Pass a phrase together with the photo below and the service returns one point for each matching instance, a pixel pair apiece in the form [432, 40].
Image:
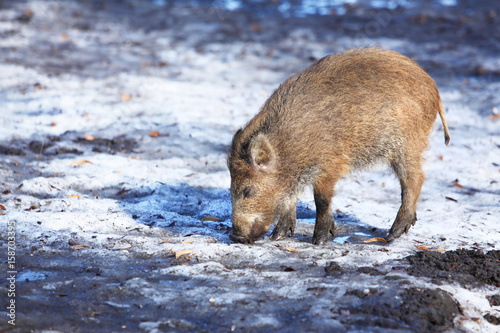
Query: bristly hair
[237, 149]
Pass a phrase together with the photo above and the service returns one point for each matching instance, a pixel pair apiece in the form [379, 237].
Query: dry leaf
[64, 37]
[375, 239]
[122, 191]
[32, 207]
[26, 16]
[210, 218]
[495, 117]
[7, 192]
[187, 242]
[451, 199]
[421, 247]
[289, 249]
[154, 134]
[126, 97]
[255, 27]
[440, 250]
[79, 247]
[89, 137]
[74, 196]
[81, 162]
[53, 124]
[2, 207]
[179, 254]
[38, 86]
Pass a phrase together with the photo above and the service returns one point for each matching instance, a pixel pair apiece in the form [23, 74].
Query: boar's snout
[239, 239]
[257, 230]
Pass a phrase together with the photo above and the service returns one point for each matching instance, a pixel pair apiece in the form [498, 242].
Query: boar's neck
[297, 164]
[297, 159]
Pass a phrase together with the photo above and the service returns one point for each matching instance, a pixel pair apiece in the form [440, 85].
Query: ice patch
[31, 276]
[341, 240]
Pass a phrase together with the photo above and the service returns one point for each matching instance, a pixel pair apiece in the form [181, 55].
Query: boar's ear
[262, 153]
[234, 150]
[236, 137]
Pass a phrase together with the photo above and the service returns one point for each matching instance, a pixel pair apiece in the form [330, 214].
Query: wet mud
[466, 267]
[413, 309]
[65, 144]
[111, 294]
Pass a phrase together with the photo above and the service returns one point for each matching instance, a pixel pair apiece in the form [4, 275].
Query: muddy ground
[133, 276]
[97, 296]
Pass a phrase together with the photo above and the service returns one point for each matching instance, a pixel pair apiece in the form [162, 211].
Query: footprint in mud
[119, 144]
[11, 151]
[65, 144]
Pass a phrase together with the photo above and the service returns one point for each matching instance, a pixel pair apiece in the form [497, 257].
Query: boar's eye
[249, 191]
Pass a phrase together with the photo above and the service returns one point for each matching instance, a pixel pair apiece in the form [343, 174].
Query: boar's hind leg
[411, 178]
[286, 223]
[325, 225]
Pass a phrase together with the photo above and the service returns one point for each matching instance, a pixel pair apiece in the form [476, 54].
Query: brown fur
[344, 112]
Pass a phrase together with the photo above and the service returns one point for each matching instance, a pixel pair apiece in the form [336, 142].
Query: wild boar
[344, 112]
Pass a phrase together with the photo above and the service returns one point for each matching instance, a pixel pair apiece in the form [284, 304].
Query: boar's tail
[445, 125]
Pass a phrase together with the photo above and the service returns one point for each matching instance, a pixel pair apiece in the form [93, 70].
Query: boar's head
[255, 186]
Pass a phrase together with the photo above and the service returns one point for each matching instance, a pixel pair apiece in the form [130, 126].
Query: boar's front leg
[286, 222]
[325, 225]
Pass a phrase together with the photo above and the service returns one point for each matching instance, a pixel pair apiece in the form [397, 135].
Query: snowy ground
[115, 121]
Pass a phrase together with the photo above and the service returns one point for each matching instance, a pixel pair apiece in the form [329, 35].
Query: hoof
[239, 239]
[320, 240]
[393, 234]
[278, 234]
[281, 231]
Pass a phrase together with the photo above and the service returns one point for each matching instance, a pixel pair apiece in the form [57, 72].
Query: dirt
[107, 294]
[65, 144]
[467, 267]
[120, 144]
[97, 292]
[415, 309]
